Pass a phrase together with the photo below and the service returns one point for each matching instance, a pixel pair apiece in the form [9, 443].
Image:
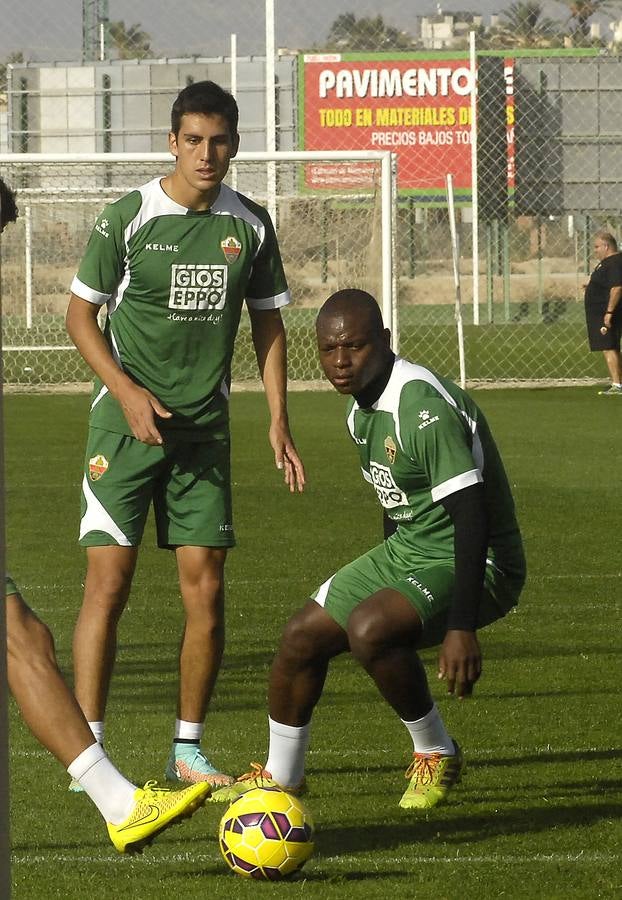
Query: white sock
[429, 734]
[286, 755]
[188, 731]
[112, 794]
[98, 731]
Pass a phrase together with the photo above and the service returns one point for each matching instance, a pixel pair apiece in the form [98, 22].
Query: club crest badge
[390, 448]
[231, 248]
[98, 466]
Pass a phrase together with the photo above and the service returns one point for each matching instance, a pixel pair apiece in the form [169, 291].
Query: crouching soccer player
[134, 815]
[452, 559]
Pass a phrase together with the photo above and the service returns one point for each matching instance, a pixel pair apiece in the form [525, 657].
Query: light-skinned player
[173, 261]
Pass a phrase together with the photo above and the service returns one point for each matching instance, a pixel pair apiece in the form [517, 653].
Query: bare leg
[614, 365]
[384, 631]
[52, 713]
[107, 587]
[308, 643]
[201, 579]
[47, 705]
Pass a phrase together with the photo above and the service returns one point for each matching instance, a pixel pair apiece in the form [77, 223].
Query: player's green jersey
[423, 440]
[174, 281]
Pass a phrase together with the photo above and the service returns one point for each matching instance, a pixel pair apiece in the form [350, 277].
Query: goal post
[455, 257]
[5, 858]
[334, 214]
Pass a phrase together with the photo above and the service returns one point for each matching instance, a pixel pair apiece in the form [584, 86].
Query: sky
[52, 29]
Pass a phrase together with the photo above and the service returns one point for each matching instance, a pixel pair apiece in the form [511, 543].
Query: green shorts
[428, 587]
[11, 587]
[188, 483]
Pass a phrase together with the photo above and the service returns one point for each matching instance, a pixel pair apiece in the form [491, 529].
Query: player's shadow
[458, 830]
[145, 677]
[537, 650]
[550, 756]
[346, 770]
[595, 691]
[307, 874]
[582, 757]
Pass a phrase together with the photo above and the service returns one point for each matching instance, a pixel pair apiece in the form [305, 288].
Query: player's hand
[460, 662]
[140, 408]
[286, 458]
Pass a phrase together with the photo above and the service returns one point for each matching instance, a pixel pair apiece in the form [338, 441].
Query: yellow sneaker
[258, 777]
[432, 776]
[155, 809]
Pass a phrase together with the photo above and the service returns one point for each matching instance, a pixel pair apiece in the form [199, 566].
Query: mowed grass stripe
[539, 813]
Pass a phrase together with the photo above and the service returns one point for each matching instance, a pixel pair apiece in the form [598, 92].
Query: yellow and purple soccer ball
[266, 834]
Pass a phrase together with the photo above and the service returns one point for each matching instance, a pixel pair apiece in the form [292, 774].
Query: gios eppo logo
[389, 494]
[198, 287]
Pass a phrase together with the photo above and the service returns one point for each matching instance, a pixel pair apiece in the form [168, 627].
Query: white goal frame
[388, 281]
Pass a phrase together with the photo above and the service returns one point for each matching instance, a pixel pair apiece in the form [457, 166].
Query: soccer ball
[266, 833]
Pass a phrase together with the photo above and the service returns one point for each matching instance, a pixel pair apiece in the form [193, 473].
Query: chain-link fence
[533, 157]
[327, 242]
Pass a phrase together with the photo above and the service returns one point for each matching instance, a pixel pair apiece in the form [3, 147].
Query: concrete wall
[125, 106]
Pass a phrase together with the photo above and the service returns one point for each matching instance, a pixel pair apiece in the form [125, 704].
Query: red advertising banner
[420, 108]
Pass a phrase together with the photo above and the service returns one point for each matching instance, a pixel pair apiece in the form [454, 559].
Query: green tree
[347, 33]
[523, 24]
[581, 11]
[130, 42]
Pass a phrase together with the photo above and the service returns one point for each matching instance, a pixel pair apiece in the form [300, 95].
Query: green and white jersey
[174, 281]
[423, 440]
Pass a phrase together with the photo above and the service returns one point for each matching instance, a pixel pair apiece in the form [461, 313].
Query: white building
[445, 31]
[124, 105]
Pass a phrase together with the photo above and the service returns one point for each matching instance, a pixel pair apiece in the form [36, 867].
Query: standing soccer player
[451, 562]
[174, 261]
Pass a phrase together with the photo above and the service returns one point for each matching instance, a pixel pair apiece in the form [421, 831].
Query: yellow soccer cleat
[258, 777]
[432, 776]
[155, 809]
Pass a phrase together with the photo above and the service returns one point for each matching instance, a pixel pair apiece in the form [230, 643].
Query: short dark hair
[607, 238]
[353, 301]
[208, 99]
[8, 206]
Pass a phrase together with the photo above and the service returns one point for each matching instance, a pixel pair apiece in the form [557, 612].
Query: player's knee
[204, 605]
[43, 642]
[108, 590]
[203, 598]
[367, 633]
[30, 641]
[300, 643]
[204, 623]
[294, 640]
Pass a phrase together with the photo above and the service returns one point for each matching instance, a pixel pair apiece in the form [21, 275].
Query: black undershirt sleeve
[467, 511]
[389, 527]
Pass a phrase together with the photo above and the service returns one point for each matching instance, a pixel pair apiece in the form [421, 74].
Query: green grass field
[539, 812]
[513, 347]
